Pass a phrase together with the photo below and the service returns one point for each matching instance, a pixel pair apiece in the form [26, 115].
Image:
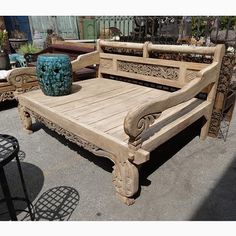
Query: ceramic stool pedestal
[54, 73]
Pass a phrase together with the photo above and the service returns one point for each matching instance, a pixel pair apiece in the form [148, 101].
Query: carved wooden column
[221, 95]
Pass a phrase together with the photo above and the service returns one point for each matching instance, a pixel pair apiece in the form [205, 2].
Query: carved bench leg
[125, 180]
[25, 119]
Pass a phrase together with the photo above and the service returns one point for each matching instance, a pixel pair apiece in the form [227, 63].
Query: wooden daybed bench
[124, 121]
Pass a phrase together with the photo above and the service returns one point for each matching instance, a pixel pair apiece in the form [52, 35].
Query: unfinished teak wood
[125, 121]
[223, 91]
[18, 80]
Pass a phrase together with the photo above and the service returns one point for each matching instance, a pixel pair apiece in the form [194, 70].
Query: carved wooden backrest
[160, 71]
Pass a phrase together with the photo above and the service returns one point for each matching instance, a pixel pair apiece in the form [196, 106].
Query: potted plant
[28, 48]
[24, 50]
[28, 51]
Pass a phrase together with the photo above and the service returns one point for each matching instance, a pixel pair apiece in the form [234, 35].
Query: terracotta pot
[4, 61]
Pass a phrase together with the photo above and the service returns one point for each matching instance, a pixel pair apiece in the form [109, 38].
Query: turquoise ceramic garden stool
[54, 73]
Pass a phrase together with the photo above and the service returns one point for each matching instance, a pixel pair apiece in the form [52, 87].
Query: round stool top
[52, 56]
[9, 147]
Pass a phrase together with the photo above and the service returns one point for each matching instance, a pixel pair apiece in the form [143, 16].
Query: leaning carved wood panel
[164, 72]
[221, 95]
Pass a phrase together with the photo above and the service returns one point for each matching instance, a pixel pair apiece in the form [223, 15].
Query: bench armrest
[142, 117]
[85, 60]
[19, 77]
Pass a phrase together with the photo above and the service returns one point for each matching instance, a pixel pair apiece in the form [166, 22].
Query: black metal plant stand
[9, 148]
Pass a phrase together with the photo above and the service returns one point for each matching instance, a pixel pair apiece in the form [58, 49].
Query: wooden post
[145, 50]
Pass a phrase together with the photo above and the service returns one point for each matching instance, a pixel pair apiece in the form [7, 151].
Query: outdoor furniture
[9, 148]
[135, 105]
[17, 80]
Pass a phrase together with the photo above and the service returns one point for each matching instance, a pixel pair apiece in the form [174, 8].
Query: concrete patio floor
[186, 179]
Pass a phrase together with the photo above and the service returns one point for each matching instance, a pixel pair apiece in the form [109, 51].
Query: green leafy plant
[28, 48]
[227, 22]
[201, 24]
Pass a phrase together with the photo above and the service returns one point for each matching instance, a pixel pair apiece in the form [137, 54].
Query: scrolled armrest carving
[141, 124]
[20, 76]
[134, 128]
[142, 117]
[23, 79]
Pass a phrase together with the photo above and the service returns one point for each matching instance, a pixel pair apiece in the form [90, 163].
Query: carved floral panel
[163, 72]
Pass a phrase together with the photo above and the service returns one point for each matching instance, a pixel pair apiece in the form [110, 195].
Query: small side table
[9, 148]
